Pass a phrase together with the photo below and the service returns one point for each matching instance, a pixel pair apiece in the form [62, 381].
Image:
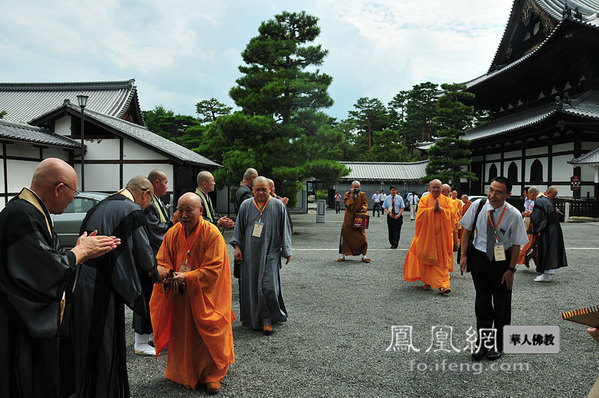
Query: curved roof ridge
[61, 86]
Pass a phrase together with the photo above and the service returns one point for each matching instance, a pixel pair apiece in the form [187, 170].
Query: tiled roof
[26, 101]
[591, 157]
[385, 171]
[555, 8]
[140, 134]
[25, 133]
[541, 47]
[585, 106]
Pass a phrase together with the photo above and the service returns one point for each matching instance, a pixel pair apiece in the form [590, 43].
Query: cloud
[183, 51]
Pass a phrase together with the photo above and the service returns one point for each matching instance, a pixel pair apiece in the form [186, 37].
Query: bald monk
[34, 276]
[192, 313]
[431, 254]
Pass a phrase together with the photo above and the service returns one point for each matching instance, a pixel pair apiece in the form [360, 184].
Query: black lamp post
[82, 101]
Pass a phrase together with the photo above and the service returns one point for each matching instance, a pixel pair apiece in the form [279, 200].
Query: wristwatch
[512, 269]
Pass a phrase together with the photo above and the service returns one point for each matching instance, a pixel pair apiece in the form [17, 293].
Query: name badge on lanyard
[259, 225]
[498, 250]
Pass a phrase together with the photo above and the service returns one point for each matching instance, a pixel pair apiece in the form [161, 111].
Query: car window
[80, 205]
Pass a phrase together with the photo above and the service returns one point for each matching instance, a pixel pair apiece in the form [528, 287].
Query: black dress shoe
[493, 355]
[480, 354]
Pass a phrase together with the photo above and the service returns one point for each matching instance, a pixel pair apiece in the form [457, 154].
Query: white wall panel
[529, 162]
[562, 171]
[537, 151]
[568, 146]
[135, 151]
[103, 149]
[512, 154]
[62, 126]
[100, 177]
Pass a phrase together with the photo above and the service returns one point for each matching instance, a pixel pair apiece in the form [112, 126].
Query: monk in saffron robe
[431, 254]
[353, 240]
[192, 313]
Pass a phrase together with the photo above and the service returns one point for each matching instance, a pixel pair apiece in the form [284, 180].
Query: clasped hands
[172, 281]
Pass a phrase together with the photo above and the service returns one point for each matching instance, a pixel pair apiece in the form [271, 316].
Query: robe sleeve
[156, 229]
[285, 234]
[538, 216]
[239, 230]
[161, 306]
[33, 271]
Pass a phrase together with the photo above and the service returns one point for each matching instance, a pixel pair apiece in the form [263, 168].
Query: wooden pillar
[121, 158]
[523, 170]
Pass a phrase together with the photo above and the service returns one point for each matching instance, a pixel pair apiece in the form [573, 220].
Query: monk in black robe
[550, 241]
[34, 274]
[97, 324]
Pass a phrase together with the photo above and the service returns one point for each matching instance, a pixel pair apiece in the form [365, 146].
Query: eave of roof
[491, 75]
[589, 158]
[385, 171]
[585, 106]
[134, 131]
[25, 101]
[18, 132]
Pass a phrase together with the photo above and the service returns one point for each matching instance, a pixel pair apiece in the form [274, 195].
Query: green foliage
[275, 80]
[210, 110]
[370, 115]
[322, 194]
[450, 154]
[2, 114]
[419, 105]
[182, 129]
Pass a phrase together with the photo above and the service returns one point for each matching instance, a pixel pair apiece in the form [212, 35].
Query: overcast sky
[182, 51]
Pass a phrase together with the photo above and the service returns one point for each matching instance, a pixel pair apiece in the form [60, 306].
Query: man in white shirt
[499, 234]
[376, 203]
[413, 200]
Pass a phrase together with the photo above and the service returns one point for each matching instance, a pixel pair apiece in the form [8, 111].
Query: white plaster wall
[19, 174]
[512, 154]
[477, 158]
[536, 151]
[103, 149]
[568, 146]
[100, 177]
[562, 171]
[587, 173]
[528, 163]
[56, 153]
[588, 146]
[134, 151]
[23, 150]
[133, 170]
[493, 156]
[62, 126]
[563, 191]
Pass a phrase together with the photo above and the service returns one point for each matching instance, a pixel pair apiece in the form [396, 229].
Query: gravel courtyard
[341, 315]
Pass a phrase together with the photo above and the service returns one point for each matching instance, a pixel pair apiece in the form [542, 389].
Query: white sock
[342, 256]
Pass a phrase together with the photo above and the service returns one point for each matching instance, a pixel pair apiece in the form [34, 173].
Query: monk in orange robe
[430, 257]
[353, 241]
[192, 313]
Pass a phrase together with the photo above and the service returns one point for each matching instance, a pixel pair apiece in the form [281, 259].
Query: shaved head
[55, 182]
[189, 208]
[142, 190]
[434, 187]
[446, 190]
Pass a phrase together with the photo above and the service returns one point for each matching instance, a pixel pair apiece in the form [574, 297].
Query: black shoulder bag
[470, 250]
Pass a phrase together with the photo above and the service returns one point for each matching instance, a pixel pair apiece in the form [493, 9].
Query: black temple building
[542, 93]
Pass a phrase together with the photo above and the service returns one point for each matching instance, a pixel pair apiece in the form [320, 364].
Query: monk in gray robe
[551, 249]
[261, 237]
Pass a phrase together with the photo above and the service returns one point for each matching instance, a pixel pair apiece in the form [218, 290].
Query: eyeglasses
[68, 186]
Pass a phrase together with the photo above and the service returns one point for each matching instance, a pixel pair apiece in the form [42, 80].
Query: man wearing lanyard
[191, 313]
[206, 185]
[159, 222]
[499, 235]
[394, 206]
[261, 237]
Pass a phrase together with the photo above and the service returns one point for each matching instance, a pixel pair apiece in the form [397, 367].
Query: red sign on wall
[575, 183]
